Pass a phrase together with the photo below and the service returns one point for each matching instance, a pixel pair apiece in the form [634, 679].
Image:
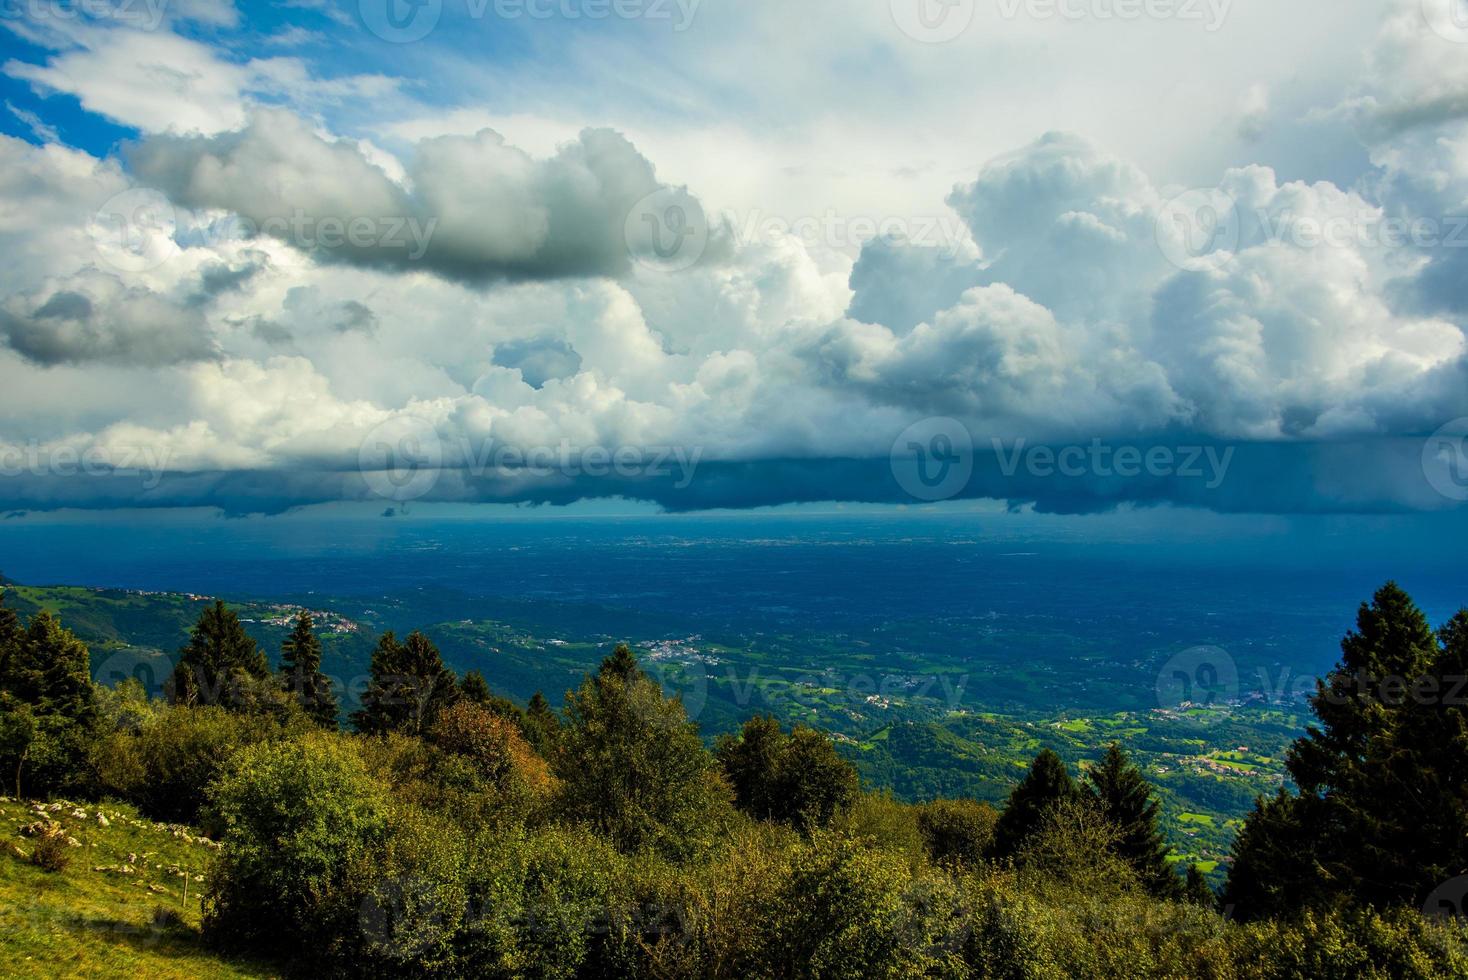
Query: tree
[633, 766]
[1125, 798]
[1382, 812]
[220, 665]
[1197, 891]
[1047, 785]
[409, 687]
[47, 705]
[300, 673]
[796, 779]
[542, 725]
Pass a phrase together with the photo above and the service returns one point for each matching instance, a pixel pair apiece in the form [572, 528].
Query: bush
[51, 852]
[956, 831]
[302, 822]
[165, 766]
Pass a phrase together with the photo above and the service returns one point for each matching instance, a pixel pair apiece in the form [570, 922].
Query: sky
[1065, 255]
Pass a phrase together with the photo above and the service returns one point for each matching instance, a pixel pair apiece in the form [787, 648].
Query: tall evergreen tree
[300, 673]
[1045, 786]
[1380, 817]
[633, 766]
[542, 725]
[409, 687]
[220, 664]
[1197, 891]
[1125, 798]
[47, 703]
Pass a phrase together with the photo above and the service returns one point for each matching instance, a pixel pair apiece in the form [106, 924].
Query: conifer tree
[542, 725]
[409, 687]
[47, 704]
[300, 673]
[1197, 891]
[1125, 798]
[1045, 786]
[220, 664]
[1380, 816]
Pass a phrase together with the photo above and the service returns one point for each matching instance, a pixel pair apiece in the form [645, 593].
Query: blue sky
[717, 254]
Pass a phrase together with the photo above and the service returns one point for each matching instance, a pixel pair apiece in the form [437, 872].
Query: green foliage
[301, 822]
[1382, 815]
[1196, 889]
[1046, 785]
[957, 831]
[46, 705]
[542, 725]
[221, 665]
[300, 673]
[1123, 796]
[795, 779]
[409, 687]
[162, 758]
[633, 767]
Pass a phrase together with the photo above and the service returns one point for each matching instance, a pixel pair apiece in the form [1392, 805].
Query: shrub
[956, 831]
[51, 851]
[302, 820]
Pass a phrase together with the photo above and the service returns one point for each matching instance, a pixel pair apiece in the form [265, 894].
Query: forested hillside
[234, 826]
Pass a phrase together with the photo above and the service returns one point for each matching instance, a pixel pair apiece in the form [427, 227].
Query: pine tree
[300, 673]
[1125, 798]
[1380, 817]
[220, 664]
[47, 703]
[542, 725]
[409, 687]
[475, 688]
[1197, 891]
[1046, 785]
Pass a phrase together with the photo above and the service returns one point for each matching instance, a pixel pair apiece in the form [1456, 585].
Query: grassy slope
[87, 923]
